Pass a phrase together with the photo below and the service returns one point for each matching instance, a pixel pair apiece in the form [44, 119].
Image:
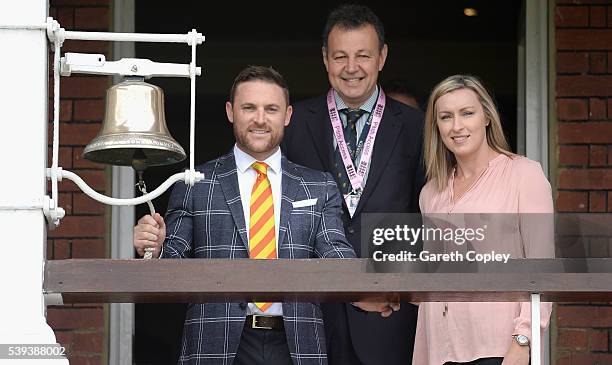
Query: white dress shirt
[246, 179]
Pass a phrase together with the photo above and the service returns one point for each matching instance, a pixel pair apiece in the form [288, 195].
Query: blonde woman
[470, 169]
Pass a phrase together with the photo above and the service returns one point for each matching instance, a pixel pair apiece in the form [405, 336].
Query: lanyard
[356, 175]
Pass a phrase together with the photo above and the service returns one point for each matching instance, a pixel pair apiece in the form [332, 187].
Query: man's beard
[243, 141]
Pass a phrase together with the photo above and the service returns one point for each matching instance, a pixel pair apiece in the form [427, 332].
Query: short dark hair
[353, 16]
[261, 73]
[401, 86]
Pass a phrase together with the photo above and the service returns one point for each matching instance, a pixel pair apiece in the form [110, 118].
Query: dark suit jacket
[207, 221]
[393, 185]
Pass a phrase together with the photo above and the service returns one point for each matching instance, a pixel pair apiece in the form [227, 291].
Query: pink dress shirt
[465, 331]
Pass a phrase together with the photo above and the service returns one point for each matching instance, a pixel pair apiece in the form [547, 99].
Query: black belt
[265, 323]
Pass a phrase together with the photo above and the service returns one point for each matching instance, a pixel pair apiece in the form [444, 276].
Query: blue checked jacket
[206, 221]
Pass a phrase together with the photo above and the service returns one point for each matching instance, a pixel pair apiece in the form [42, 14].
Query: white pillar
[23, 152]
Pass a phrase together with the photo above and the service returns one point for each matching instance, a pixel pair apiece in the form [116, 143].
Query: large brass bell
[134, 132]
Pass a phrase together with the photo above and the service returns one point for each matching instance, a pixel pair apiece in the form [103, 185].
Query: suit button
[351, 230]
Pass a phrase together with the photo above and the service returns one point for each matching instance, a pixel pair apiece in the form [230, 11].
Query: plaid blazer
[207, 221]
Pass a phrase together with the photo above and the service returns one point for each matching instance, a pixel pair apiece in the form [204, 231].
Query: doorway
[427, 42]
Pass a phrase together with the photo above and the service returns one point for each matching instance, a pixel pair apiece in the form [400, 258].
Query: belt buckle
[254, 325]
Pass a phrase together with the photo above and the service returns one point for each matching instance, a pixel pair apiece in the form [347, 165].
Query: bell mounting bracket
[96, 64]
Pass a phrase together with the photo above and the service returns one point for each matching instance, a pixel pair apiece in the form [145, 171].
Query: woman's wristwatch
[522, 340]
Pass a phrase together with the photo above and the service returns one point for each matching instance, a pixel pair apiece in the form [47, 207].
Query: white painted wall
[23, 151]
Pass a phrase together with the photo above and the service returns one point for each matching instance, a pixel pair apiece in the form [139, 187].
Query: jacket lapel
[290, 183]
[228, 178]
[320, 130]
[388, 131]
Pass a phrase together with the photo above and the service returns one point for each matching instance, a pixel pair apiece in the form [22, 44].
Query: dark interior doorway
[428, 40]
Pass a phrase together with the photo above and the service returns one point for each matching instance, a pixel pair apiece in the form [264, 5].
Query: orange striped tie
[262, 234]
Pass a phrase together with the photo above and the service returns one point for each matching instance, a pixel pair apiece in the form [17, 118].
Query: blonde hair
[439, 160]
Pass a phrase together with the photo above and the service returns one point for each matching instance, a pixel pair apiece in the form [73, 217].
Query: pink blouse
[465, 331]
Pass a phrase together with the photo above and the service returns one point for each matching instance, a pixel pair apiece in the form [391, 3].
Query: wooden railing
[193, 280]
[320, 280]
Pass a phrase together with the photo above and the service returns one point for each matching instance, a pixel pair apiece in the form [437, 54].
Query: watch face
[522, 340]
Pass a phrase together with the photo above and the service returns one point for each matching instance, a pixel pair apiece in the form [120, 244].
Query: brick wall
[83, 232]
[584, 113]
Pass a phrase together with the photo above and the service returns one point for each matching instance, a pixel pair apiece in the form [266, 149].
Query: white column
[535, 329]
[536, 82]
[23, 151]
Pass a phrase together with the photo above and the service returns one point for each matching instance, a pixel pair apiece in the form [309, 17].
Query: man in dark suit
[252, 203]
[335, 133]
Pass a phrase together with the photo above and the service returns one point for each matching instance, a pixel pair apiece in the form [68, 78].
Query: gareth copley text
[426, 256]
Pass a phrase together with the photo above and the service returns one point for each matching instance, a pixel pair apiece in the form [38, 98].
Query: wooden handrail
[320, 280]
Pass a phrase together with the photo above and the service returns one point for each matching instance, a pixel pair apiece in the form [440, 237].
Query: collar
[368, 106]
[244, 160]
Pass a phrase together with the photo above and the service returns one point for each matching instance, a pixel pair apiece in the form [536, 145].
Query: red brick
[65, 201]
[80, 226]
[610, 203]
[572, 16]
[598, 62]
[49, 253]
[572, 62]
[96, 180]
[572, 109]
[87, 47]
[89, 249]
[598, 341]
[573, 338]
[64, 155]
[65, 110]
[585, 179]
[84, 86]
[78, 134]
[591, 358]
[88, 342]
[584, 316]
[563, 359]
[597, 109]
[598, 16]
[584, 39]
[65, 16]
[64, 338]
[83, 204]
[80, 162]
[597, 201]
[571, 247]
[91, 18]
[609, 16]
[587, 85]
[572, 201]
[610, 107]
[89, 110]
[573, 155]
[598, 248]
[585, 132]
[597, 155]
[61, 249]
[85, 360]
